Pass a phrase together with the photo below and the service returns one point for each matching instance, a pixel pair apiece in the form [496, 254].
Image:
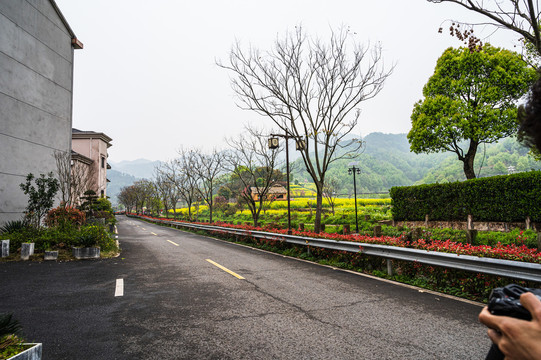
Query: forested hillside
[387, 161]
[117, 181]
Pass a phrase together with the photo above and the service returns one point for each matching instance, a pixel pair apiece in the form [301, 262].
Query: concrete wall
[36, 71]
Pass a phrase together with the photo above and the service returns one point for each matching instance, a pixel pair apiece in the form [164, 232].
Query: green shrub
[95, 235]
[505, 198]
[25, 234]
[10, 342]
[12, 226]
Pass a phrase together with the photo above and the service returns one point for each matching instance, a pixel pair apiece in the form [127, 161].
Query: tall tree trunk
[319, 207]
[468, 160]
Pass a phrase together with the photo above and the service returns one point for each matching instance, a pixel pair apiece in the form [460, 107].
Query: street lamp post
[273, 144]
[355, 170]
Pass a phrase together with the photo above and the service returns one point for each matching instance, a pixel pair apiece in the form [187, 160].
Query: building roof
[75, 156]
[80, 134]
[74, 41]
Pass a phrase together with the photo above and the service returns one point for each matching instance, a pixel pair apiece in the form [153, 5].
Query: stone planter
[5, 248]
[27, 250]
[33, 353]
[86, 252]
[50, 255]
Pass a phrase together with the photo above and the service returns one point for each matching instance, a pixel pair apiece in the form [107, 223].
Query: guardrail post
[470, 236]
[389, 267]
[470, 222]
[416, 233]
[377, 231]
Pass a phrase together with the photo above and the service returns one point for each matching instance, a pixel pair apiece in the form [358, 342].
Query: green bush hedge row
[499, 198]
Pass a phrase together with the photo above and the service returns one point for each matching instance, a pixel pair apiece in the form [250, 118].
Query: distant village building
[90, 145]
[36, 90]
[277, 192]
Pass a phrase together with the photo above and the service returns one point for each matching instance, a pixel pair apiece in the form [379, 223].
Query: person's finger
[494, 335]
[532, 304]
[488, 319]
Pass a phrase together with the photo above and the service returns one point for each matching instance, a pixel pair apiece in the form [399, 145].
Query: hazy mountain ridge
[125, 173]
[140, 168]
[385, 161]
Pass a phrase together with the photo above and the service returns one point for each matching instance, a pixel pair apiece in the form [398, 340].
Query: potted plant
[88, 242]
[12, 346]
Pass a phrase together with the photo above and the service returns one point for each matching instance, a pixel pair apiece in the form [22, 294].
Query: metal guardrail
[499, 267]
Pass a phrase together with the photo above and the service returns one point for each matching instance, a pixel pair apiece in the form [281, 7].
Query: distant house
[36, 90]
[277, 192]
[90, 145]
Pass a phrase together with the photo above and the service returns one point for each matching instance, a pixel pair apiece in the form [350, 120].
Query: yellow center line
[154, 233]
[143, 228]
[225, 269]
[173, 243]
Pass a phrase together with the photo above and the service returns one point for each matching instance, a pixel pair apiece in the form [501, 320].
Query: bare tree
[143, 193]
[520, 16]
[128, 198]
[148, 196]
[331, 187]
[76, 175]
[311, 91]
[253, 165]
[180, 172]
[165, 188]
[63, 175]
[208, 167]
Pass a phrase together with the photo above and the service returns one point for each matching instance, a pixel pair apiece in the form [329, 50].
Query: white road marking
[119, 289]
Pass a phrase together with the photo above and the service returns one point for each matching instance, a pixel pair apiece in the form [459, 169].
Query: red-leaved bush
[62, 215]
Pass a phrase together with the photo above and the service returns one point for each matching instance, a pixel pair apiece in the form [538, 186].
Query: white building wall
[36, 72]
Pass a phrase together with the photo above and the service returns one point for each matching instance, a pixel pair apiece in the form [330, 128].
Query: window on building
[102, 193]
[102, 162]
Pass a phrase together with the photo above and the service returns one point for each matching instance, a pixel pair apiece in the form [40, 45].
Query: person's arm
[516, 338]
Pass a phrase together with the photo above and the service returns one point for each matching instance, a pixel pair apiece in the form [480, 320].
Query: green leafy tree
[40, 197]
[470, 100]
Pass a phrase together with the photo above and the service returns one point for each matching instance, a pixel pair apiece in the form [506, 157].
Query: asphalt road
[176, 304]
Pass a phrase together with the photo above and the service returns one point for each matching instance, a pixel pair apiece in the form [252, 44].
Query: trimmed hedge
[505, 198]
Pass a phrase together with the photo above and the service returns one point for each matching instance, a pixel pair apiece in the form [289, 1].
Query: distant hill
[387, 161]
[118, 180]
[140, 168]
[501, 158]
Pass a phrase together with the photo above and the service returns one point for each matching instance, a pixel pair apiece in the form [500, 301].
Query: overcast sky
[147, 75]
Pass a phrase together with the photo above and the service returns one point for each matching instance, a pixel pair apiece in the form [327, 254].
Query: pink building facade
[94, 145]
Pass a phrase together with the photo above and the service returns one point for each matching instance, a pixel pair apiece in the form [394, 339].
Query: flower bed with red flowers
[507, 252]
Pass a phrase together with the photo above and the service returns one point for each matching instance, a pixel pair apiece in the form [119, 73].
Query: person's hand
[516, 338]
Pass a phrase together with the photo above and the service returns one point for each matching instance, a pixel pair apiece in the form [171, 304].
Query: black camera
[506, 301]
